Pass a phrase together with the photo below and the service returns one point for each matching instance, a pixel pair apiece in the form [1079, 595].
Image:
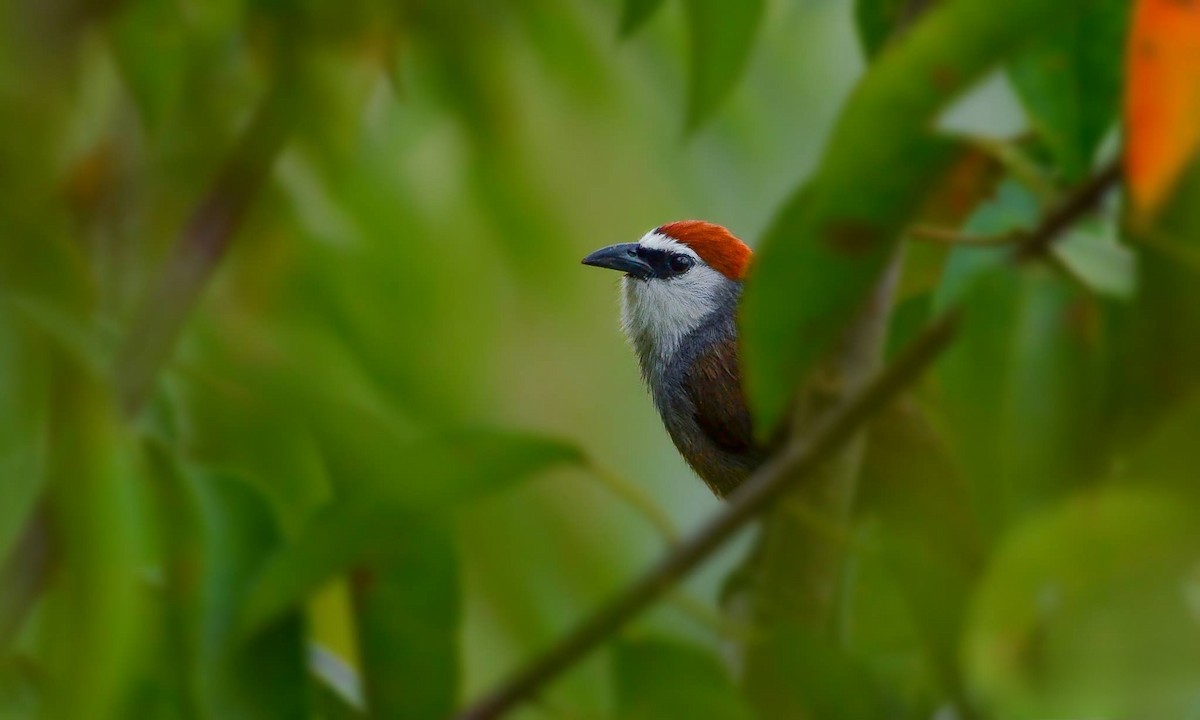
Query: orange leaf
[1162, 100]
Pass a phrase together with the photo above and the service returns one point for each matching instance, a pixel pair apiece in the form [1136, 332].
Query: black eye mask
[664, 263]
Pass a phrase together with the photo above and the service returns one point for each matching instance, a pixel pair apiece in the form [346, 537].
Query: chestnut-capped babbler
[679, 300]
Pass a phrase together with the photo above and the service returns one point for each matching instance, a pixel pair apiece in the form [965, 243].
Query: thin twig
[1036, 242]
[201, 246]
[1078, 203]
[707, 617]
[757, 494]
[637, 499]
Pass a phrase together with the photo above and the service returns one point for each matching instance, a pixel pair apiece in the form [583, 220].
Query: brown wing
[714, 385]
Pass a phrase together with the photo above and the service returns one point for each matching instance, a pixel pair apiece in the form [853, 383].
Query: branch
[749, 501]
[1033, 243]
[203, 242]
[1078, 203]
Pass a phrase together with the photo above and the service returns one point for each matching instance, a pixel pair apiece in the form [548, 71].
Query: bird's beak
[623, 258]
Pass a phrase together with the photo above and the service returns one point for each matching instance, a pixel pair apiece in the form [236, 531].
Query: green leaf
[337, 686]
[217, 531]
[1027, 433]
[407, 612]
[1167, 454]
[18, 690]
[722, 36]
[634, 13]
[330, 704]
[657, 678]
[94, 607]
[1090, 610]
[152, 29]
[928, 537]
[1099, 261]
[810, 675]
[24, 388]
[434, 474]
[1070, 79]
[388, 500]
[825, 251]
[1158, 332]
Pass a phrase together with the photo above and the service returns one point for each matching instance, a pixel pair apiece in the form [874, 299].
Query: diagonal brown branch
[779, 475]
[1033, 243]
[1075, 205]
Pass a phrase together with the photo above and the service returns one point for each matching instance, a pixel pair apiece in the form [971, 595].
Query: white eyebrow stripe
[654, 240]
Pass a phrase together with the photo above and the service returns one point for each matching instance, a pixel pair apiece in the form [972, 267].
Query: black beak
[624, 258]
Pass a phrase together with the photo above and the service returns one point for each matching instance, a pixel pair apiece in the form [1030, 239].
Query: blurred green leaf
[659, 678]
[636, 12]
[89, 619]
[826, 249]
[812, 676]
[1091, 610]
[152, 28]
[1157, 333]
[1099, 260]
[337, 686]
[928, 534]
[722, 38]
[390, 490]
[18, 690]
[1166, 454]
[1070, 79]
[1023, 385]
[217, 531]
[1025, 433]
[407, 611]
[328, 704]
[435, 474]
[24, 391]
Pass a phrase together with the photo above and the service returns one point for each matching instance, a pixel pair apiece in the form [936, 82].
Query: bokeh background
[382, 207]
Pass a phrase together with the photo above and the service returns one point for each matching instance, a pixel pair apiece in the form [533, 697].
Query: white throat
[657, 314]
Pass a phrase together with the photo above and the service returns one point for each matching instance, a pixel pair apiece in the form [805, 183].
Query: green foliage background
[297, 360]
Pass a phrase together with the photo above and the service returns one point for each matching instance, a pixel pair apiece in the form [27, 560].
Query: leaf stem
[636, 498]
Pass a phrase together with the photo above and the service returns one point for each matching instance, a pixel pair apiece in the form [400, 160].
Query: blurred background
[258, 255]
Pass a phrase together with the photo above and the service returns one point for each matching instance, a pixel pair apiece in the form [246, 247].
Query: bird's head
[676, 276]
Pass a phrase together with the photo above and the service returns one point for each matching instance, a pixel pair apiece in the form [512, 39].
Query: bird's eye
[681, 263]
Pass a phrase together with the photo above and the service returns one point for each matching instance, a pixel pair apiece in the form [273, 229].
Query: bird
[679, 299]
